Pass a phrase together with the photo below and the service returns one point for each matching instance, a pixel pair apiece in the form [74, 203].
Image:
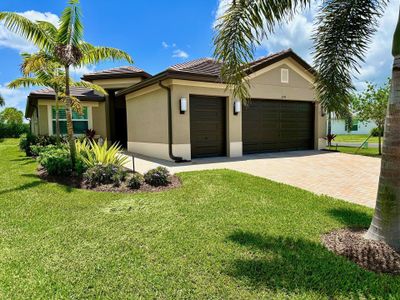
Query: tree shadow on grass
[351, 217]
[298, 266]
[22, 187]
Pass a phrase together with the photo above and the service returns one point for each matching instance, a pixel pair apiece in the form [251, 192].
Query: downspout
[171, 155]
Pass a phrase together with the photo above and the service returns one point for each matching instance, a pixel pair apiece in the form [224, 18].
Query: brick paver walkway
[349, 177]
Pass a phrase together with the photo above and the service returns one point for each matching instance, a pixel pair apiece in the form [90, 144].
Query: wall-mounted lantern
[183, 105]
[236, 107]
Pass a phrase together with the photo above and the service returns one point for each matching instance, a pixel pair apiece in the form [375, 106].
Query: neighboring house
[187, 111]
[339, 126]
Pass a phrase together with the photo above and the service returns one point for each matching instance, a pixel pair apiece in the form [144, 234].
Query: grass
[373, 152]
[354, 138]
[223, 235]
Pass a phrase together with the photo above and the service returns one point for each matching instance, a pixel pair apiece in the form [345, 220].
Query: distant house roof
[120, 72]
[81, 93]
[209, 70]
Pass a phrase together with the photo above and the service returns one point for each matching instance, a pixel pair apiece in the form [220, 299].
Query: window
[80, 122]
[284, 76]
[354, 126]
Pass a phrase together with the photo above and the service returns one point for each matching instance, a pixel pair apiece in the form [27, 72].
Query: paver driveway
[349, 177]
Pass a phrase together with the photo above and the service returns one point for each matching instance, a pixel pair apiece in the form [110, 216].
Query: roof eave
[89, 77]
[169, 74]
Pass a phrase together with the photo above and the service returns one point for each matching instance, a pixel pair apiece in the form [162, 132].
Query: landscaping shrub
[30, 140]
[26, 142]
[104, 174]
[159, 176]
[13, 130]
[56, 161]
[136, 181]
[94, 154]
[376, 132]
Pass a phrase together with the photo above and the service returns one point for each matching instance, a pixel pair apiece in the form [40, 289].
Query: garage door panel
[276, 125]
[207, 126]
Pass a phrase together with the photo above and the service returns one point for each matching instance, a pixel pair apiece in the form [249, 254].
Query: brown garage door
[275, 125]
[207, 126]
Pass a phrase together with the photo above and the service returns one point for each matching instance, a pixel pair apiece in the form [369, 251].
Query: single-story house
[339, 126]
[187, 111]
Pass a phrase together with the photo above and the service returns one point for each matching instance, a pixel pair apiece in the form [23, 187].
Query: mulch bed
[78, 183]
[371, 255]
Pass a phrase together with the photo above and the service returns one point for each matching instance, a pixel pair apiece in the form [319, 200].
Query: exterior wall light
[236, 107]
[183, 105]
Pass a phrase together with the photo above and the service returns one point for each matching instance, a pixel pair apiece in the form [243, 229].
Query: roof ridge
[191, 63]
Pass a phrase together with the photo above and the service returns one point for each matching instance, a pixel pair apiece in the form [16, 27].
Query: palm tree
[39, 70]
[65, 45]
[2, 102]
[344, 30]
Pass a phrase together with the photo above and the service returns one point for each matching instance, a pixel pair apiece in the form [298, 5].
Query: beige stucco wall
[99, 119]
[117, 83]
[147, 118]
[43, 120]
[264, 84]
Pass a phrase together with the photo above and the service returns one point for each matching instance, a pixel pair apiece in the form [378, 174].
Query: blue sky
[158, 33]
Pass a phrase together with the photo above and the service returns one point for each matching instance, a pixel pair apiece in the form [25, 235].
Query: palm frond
[50, 29]
[71, 29]
[36, 61]
[240, 29]
[89, 85]
[25, 82]
[94, 54]
[26, 28]
[2, 102]
[341, 39]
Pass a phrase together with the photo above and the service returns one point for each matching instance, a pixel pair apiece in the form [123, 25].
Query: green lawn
[223, 235]
[354, 138]
[374, 152]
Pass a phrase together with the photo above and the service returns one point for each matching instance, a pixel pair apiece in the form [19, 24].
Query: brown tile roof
[205, 66]
[79, 92]
[209, 69]
[120, 72]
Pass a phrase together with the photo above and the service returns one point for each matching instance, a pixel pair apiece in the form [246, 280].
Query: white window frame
[50, 118]
[284, 75]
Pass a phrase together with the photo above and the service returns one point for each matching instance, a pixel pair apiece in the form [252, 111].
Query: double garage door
[267, 126]
[276, 125]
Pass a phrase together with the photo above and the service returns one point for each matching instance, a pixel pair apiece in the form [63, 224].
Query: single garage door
[207, 126]
[276, 125]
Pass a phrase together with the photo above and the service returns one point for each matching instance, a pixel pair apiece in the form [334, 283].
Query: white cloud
[297, 35]
[180, 54]
[15, 98]
[78, 72]
[165, 45]
[14, 41]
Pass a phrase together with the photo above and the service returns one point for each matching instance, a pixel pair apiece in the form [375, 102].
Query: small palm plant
[92, 153]
[65, 45]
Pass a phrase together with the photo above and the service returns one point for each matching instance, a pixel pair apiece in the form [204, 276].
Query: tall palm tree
[2, 102]
[344, 30]
[65, 45]
[38, 70]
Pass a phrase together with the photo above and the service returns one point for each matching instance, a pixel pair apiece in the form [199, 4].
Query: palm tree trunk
[385, 225]
[70, 127]
[380, 141]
